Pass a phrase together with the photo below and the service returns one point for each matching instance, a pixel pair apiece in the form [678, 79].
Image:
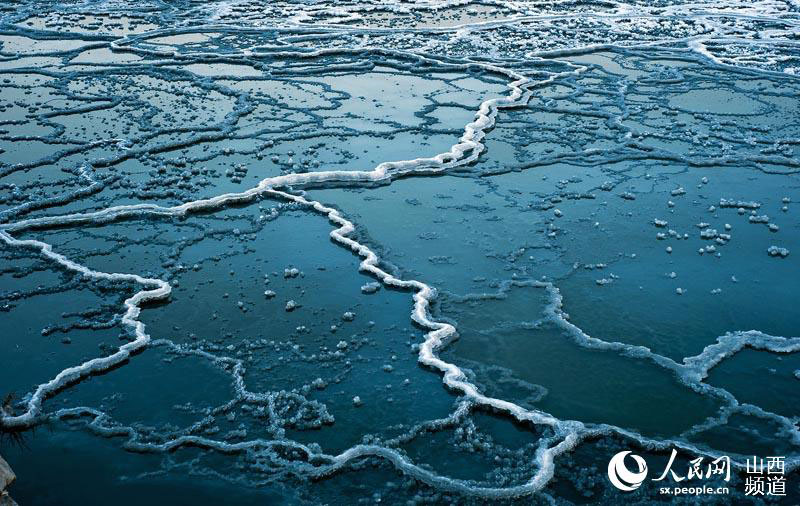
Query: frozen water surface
[407, 252]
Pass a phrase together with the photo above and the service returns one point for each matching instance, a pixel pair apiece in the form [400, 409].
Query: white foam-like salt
[567, 433]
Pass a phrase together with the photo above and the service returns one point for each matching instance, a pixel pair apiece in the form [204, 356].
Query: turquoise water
[408, 253]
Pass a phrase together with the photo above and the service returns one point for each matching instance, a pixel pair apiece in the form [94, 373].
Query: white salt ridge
[160, 291]
[567, 434]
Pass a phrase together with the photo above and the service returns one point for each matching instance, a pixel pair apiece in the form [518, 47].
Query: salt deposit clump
[739, 204]
[370, 288]
[708, 233]
[775, 251]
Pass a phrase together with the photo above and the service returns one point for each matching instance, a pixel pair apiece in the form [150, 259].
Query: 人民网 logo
[621, 477]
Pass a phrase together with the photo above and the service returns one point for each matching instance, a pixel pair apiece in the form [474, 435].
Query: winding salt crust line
[334, 462]
[474, 132]
[691, 372]
[470, 142]
[570, 432]
[467, 150]
[72, 374]
[453, 376]
[573, 432]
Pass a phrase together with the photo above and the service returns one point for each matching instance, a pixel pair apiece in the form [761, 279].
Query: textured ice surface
[408, 252]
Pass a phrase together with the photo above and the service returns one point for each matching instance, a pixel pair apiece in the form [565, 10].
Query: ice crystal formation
[442, 251]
